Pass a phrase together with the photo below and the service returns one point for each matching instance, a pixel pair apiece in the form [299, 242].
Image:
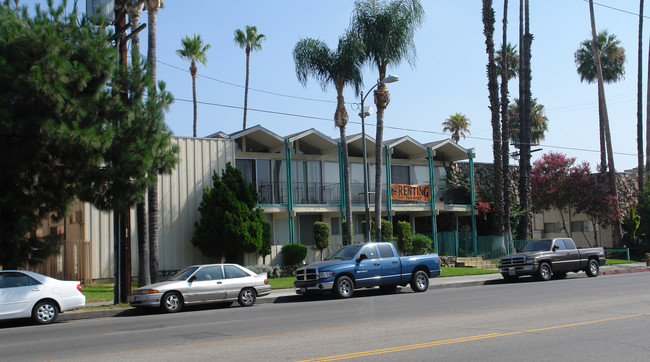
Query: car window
[184, 274]
[345, 253]
[209, 273]
[538, 245]
[385, 251]
[234, 272]
[560, 244]
[15, 280]
[569, 244]
[370, 251]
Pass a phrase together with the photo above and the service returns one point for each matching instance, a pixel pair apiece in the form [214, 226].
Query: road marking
[460, 340]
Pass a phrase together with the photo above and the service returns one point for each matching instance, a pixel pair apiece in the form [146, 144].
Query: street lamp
[366, 111]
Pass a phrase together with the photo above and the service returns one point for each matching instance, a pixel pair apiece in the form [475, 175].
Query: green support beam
[473, 201]
[432, 203]
[287, 150]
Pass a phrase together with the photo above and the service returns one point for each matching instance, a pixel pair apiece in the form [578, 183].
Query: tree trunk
[493, 88]
[152, 194]
[639, 109]
[248, 52]
[346, 185]
[193, 71]
[524, 132]
[505, 133]
[381, 101]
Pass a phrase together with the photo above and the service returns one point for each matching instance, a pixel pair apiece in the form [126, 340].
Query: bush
[404, 237]
[293, 254]
[421, 244]
[259, 269]
[321, 235]
[386, 230]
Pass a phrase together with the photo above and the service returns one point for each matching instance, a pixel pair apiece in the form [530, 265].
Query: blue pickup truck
[366, 265]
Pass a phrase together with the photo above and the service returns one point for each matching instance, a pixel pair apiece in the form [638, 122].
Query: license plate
[511, 271]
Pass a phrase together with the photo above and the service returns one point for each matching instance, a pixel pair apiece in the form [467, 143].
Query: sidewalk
[289, 295]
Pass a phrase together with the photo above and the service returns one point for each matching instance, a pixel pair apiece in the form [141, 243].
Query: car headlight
[325, 275]
[531, 261]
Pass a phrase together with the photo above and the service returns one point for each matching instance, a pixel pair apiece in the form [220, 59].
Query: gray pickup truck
[546, 258]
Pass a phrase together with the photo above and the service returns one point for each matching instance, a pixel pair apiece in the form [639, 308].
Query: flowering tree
[550, 181]
[593, 197]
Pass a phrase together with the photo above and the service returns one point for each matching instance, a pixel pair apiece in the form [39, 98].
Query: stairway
[474, 262]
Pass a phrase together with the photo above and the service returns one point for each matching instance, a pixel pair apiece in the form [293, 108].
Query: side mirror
[191, 279]
[555, 247]
[362, 257]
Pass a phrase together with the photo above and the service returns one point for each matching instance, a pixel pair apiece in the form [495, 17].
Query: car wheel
[509, 278]
[171, 302]
[388, 289]
[592, 268]
[45, 312]
[247, 297]
[544, 272]
[344, 288]
[419, 281]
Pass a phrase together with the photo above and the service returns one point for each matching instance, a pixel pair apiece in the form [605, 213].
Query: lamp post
[363, 114]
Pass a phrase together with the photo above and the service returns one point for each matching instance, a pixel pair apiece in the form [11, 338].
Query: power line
[617, 9]
[403, 129]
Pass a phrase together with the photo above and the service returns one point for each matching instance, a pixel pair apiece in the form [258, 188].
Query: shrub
[259, 269]
[293, 254]
[386, 230]
[266, 241]
[421, 244]
[344, 234]
[404, 237]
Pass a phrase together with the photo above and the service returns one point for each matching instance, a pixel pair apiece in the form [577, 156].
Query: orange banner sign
[410, 192]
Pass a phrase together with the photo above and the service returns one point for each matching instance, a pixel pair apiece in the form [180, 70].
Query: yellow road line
[461, 340]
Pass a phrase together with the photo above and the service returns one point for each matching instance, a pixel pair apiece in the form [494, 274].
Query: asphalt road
[604, 318]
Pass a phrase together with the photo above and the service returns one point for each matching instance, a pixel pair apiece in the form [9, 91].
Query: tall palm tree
[493, 96]
[612, 60]
[598, 62]
[340, 67]
[152, 7]
[388, 31]
[248, 40]
[538, 121]
[525, 39]
[144, 277]
[639, 109]
[194, 51]
[506, 55]
[458, 125]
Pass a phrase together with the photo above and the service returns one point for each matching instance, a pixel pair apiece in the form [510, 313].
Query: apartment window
[554, 227]
[583, 225]
[400, 175]
[336, 225]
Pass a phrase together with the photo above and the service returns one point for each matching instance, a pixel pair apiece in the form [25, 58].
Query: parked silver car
[25, 294]
[199, 284]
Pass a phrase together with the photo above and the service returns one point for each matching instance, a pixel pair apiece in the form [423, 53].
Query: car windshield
[345, 253]
[184, 274]
[538, 245]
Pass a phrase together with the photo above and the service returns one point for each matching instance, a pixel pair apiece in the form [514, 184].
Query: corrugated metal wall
[179, 196]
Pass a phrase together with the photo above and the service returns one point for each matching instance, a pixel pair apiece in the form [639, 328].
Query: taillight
[79, 288]
[266, 282]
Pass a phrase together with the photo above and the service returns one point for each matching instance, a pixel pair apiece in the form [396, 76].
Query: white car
[25, 294]
[198, 284]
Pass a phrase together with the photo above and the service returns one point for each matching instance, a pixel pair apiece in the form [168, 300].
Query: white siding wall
[179, 196]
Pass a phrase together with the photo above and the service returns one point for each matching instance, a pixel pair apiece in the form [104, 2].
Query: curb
[286, 296]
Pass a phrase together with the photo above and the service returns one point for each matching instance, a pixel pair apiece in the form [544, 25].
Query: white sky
[448, 77]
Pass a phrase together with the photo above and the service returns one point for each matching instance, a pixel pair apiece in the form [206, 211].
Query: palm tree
[152, 7]
[458, 125]
[195, 51]
[538, 121]
[612, 60]
[506, 55]
[525, 41]
[512, 58]
[340, 68]
[598, 63]
[144, 277]
[639, 109]
[388, 32]
[248, 40]
[493, 97]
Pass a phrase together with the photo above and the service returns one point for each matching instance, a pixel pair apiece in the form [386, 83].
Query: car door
[562, 257]
[236, 280]
[207, 285]
[572, 255]
[367, 272]
[390, 266]
[18, 292]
